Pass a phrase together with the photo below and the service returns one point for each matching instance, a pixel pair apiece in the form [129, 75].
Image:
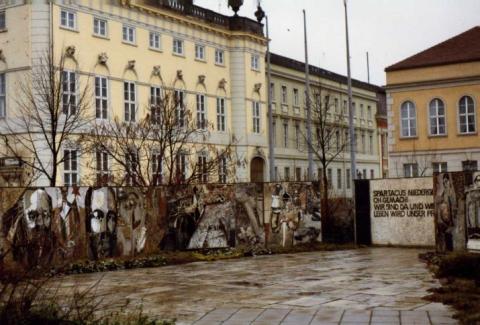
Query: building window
[362, 112]
[370, 143]
[348, 179]
[410, 170]
[128, 34]
[354, 110]
[156, 105]
[101, 97]
[222, 170]
[439, 167]
[344, 109]
[466, 114]
[200, 52]
[180, 108]
[177, 46]
[372, 174]
[100, 27]
[3, 96]
[369, 112]
[3, 20]
[296, 101]
[202, 168]
[469, 165]
[336, 105]
[364, 150]
[286, 173]
[284, 94]
[256, 117]
[274, 127]
[69, 92]
[154, 40]
[297, 135]
[181, 167]
[285, 133]
[157, 170]
[255, 63]
[364, 174]
[70, 167]
[437, 117]
[347, 141]
[337, 140]
[408, 120]
[68, 19]
[129, 93]
[298, 174]
[102, 167]
[131, 166]
[201, 112]
[219, 57]
[272, 91]
[339, 178]
[221, 115]
[329, 177]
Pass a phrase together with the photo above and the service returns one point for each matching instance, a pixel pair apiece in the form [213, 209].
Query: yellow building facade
[142, 45]
[432, 100]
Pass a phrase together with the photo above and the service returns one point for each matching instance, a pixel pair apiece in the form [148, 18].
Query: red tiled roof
[462, 48]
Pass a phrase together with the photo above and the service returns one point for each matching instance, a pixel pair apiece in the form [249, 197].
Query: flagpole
[307, 102]
[271, 142]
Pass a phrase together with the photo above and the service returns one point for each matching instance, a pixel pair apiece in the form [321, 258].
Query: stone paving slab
[362, 286]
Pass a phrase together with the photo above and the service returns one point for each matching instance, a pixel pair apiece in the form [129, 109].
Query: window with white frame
[440, 167]
[156, 168]
[410, 170]
[131, 168]
[222, 170]
[339, 178]
[201, 112]
[69, 92]
[68, 19]
[156, 104]
[466, 115]
[200, 52]
[256, 117]
[128, 34]
[284, 94]
[178, 46]
[221, 114]
[129, 93]
[297, 135]
[181, 167]
[3, 20]
[154, 40]
[437, 117]
[3, 96]
[285, 133]
[364, 173]
[335, 104]
[370, 143]
[408, 119]
[180, 108]
[296, 101]
[202, 168]
[219, 57]
[255, 62]
[364, 150]
[70, 167]
[102, 169]
[272, 91]
[100, 27]
[101, 97]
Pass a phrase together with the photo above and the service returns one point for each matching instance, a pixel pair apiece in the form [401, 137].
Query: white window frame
[130, 101]
[3, 95]
[296, 100]
[440, 167]
[70, 167]
[410, 170]
[157, 168]
[435, 117]
[69, 95]
[129, 34]
[202, 165]
[180, 110]
[255, 62]
[256, 117]
[219, 57]
[410, 119]
[154, 41]
[466, 115]
[201, 111]
[178, 47]
[68, 19]
[284, 95]
[221, 114]
[102, 166]
[97, 27]
[181, 167]
[156, 104]
[101, 97]
[200, 52]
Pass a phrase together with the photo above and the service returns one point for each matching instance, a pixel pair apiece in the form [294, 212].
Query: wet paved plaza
[364, 286]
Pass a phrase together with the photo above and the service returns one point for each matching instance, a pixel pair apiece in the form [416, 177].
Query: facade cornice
[433, 84]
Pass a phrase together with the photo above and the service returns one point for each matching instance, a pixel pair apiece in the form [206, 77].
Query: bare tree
[51, 110]
[328, 143]
[160, 147]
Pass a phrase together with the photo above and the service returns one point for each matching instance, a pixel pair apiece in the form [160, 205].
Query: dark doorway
[256, 170]
[362, 212]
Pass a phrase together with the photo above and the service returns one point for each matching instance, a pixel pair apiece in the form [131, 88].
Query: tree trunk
[326, 218]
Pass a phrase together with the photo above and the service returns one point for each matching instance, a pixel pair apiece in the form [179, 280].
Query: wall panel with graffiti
[49, 226]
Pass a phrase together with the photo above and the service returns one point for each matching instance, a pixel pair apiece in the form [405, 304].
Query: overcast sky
[390, 30]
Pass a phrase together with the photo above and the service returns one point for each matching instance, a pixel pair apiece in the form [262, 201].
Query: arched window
[466, 115]
[408, 119]
[437, 117]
